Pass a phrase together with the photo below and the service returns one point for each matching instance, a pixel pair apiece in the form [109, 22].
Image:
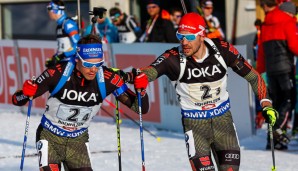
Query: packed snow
[168, 154]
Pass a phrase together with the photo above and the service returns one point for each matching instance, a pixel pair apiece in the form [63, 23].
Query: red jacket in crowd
[278, 43]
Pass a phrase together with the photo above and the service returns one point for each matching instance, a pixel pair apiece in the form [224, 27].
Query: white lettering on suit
[79, 96]
[198, 72]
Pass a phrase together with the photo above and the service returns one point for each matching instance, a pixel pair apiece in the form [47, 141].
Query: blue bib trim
[47, 124]
[101, 83]
[206, 114]
[120, 90]
[66, 74]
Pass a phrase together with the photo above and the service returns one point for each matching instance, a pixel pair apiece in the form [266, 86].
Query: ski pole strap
[120, 90]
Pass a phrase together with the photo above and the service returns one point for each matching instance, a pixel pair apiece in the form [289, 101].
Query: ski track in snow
[167, 155]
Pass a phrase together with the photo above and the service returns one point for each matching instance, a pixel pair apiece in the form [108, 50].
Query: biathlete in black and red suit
[62, 135]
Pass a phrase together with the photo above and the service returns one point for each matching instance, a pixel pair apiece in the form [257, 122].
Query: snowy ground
[169, 154]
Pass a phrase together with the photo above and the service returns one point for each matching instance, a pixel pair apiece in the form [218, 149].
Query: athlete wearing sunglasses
[77, 90]
[91, 52]
[89, 59]
[198, 69]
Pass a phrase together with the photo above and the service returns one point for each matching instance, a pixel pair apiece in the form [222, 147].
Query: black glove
[122, 74]
[270, 115]
[129, 77]
[54, 60]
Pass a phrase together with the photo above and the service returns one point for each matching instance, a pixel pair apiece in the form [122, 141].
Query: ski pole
[26, 129]
[272, 146]
[118, 134]
[141, 129]
[183, 6]
[130, 118]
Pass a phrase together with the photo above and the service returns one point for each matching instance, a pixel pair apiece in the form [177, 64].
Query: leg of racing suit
[217, 134]
[53, 149]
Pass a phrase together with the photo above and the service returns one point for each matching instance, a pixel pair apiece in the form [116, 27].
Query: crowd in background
[162, 26]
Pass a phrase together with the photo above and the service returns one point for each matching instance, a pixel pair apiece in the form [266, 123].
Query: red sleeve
[292, 39]
[261, 59]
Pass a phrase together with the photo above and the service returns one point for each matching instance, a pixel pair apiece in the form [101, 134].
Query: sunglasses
[151, 6]
[87, 64]
[208, 8]
[115, 17]
[188, 37]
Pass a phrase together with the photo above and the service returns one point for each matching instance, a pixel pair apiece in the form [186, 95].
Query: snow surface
[168, 154]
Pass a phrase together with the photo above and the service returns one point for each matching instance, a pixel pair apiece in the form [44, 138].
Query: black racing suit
[204, 101]
[128, 30]
[63, 133]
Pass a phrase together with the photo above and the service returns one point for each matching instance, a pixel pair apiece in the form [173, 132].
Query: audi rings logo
[232, 156]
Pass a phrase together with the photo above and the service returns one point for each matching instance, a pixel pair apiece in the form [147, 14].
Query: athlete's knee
[51, 167]
[202, 163]
[229, 159]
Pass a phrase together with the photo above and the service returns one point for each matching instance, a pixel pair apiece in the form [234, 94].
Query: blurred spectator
[213, 26]
[128, 29]
[256, 42]
[157, 28]
[282, 1]
[105, 29]
[278, 45]
[290, 9]
[176, 14]
[67, 33]
[165, 14]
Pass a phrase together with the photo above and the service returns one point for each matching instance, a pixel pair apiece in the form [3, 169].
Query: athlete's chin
[187, 52]
[90, 77]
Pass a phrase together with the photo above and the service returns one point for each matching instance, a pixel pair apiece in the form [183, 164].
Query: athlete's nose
[184, 41]
[93, 69]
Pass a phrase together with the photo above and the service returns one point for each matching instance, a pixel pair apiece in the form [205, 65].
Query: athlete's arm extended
[239, 65]
[123, 93]
[49, 78]
[166, 64]
[244, 69]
